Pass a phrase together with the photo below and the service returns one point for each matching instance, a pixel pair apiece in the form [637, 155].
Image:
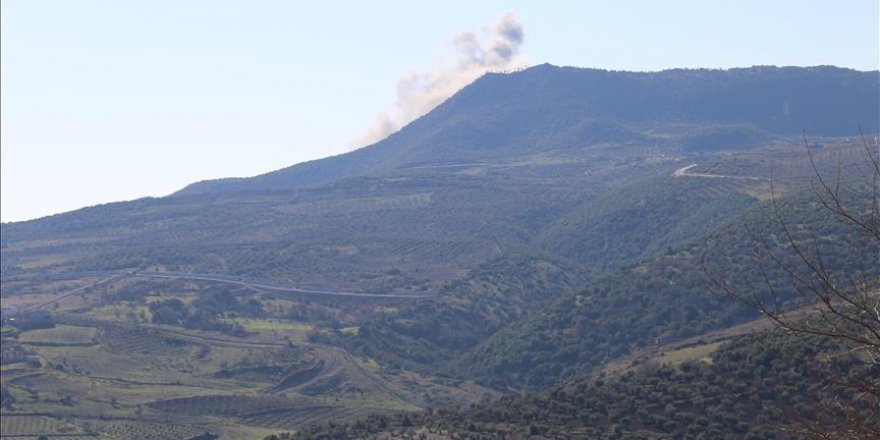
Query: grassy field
[700, 353]
[60, 335]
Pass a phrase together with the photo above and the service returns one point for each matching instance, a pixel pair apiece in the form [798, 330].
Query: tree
[839, 302]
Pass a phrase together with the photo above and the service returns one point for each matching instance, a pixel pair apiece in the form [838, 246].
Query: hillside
[748, 387]
[666, 298]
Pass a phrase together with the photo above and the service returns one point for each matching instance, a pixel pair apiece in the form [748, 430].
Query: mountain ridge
[546, 108]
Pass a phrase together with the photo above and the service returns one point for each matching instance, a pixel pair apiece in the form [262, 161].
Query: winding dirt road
[219, 278]
[683, 172]
[266, 285]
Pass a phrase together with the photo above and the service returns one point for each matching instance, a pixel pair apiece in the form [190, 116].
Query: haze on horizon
[106, 101]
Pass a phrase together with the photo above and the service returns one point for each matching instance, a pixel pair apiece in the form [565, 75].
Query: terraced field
[27, 426]
[146, 430]
[60, 335]
[115, 376]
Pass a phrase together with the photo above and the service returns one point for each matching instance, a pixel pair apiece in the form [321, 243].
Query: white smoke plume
[495, 48]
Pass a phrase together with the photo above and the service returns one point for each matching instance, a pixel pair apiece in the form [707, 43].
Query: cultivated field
[105, 370]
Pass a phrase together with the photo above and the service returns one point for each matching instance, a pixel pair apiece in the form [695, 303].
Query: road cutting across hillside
[262, 285]
[683, 172]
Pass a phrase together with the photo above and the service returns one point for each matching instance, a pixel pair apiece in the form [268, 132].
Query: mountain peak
[547, 109]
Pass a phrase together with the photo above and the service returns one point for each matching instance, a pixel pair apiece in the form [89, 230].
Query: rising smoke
[495, 48]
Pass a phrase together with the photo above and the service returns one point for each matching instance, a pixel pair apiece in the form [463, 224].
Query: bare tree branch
[839, 303]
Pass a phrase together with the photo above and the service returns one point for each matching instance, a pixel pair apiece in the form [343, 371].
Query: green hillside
[673, 296]
[750, 387]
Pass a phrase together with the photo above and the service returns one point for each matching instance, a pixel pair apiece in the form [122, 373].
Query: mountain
[537, 231]
[558, 110]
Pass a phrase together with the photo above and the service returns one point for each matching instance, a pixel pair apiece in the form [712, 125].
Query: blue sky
[114, 100]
